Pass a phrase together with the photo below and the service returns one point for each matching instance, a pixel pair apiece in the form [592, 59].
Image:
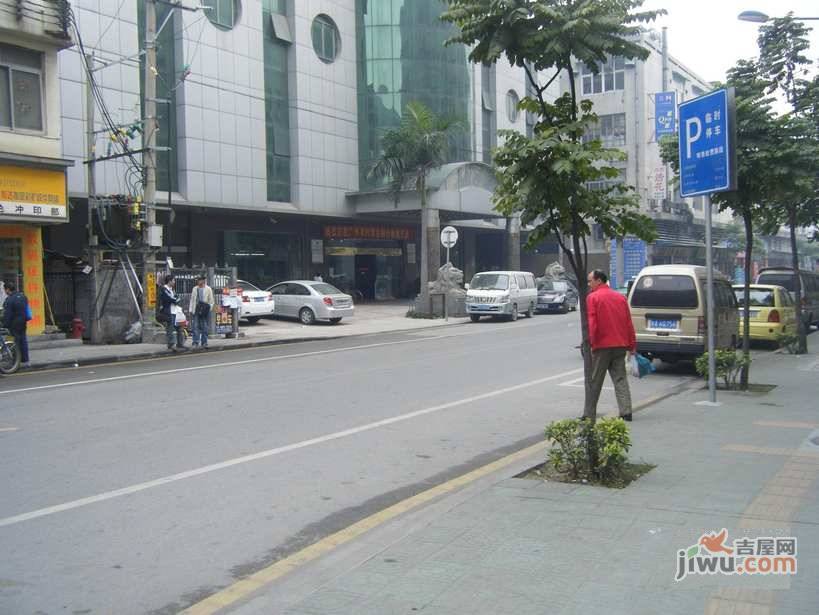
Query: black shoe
[170, 346]
[626, 417]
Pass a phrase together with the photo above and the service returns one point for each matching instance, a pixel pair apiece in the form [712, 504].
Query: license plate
[480, 306]
[257, 299]
[654, 323]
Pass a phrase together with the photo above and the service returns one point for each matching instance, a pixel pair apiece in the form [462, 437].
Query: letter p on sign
[690, 137]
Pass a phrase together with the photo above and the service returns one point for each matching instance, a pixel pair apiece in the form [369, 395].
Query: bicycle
[9, 354]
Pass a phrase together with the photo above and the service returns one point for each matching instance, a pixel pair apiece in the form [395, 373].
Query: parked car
[310, 301]
[255, 302]
[556, 296]
[783, 276]
[772, 311]
[501, 293]
[668, 311]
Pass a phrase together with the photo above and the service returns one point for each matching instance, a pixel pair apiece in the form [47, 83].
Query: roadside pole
[151, 234]
[709, 265]
[91, 171]
[449, 237]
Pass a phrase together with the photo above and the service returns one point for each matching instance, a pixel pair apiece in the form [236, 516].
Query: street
[144, 487]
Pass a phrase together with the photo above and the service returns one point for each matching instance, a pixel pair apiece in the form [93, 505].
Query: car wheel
[335, 321]
[531, 311]
[306, 316]
[564, 309]
[253, 319]
[474, 317]
[514, 315]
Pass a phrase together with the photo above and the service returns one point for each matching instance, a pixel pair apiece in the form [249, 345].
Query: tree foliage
[557, 181]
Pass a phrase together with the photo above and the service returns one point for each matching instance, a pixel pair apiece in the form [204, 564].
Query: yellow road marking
[788, 424]
[242, 589]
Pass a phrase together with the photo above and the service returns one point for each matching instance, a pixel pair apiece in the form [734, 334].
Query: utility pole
[151, 234]
[93, 249]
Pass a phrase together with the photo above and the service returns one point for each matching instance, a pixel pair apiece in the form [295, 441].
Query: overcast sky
[707, 37]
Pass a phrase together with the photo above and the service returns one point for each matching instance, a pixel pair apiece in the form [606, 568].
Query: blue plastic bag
[29, 314]
[641, 366]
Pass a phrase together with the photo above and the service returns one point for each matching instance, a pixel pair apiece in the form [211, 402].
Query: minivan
[783, 276]
[501, 293]
[668, 309]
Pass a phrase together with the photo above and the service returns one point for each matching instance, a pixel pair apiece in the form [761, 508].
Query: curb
[162, 352]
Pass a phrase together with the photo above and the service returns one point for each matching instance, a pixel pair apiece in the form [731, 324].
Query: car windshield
[778, 279]
[326, 289]
[247, 286]
[665, 291]
[561, 287]
[490, 281]
[759, 297]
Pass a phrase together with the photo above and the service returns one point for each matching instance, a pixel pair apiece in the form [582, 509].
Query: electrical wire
[114, 18]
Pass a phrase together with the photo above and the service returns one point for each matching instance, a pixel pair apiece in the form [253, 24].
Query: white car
[255, 302]
[310, 301]
[501, 293]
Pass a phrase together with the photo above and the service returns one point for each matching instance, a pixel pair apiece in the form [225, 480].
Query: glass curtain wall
[277, 109]
[167, 80]
[402, 58]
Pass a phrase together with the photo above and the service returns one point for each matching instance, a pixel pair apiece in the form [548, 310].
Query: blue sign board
[665, 113]
[707, 161]
[634, 259]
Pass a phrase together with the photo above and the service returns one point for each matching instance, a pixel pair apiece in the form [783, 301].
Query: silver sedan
[310, 301]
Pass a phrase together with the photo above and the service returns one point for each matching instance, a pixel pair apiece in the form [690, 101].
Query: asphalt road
[144, 487]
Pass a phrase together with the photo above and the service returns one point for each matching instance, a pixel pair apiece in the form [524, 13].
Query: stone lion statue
[449, 279]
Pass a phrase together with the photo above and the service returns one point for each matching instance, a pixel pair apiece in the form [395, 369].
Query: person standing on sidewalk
[15, 319]
[612, 337]
[167, 299]
[202, 302]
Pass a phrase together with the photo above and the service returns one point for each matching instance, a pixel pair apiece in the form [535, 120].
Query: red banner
[383, 233]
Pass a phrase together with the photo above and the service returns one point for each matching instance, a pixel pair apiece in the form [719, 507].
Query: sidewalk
[517, 547]
[369, 319]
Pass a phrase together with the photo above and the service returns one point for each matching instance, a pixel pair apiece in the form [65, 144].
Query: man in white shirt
[202, 302]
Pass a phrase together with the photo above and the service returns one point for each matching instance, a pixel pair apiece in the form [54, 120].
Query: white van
[501, 293]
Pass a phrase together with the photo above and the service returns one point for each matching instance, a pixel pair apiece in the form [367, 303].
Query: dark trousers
[200, 329]
[612, 361]
[21, 341]
[170, 328]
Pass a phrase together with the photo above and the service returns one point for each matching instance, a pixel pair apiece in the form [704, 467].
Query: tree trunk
[746, 317]
[797, 285]
[425, 307]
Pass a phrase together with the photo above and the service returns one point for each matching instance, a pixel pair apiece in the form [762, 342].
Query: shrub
[573, 439]
[729, 366]
[788, 341]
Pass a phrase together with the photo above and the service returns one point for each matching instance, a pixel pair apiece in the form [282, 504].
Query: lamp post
[760, 17]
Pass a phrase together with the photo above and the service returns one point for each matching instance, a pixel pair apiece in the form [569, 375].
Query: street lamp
[760, 17]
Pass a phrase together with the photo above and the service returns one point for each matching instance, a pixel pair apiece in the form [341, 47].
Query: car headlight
[504, 298]
[560, 298]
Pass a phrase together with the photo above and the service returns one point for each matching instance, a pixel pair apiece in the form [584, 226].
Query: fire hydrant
[77, 328]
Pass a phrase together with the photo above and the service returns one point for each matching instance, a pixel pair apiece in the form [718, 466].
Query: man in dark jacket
[167, 299]
[15, 317]
[612, 336]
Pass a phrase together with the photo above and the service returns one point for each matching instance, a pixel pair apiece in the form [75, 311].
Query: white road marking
[2, 429]
[179, 370]
[109, 495]
[580, 384]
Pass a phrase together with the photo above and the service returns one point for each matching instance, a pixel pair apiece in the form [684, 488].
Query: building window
[277, 106]
[21, 101]
[512, 101]
[222, 13]
[606, 184]
[610, 130]
[326, 39]
[606, 77]
[488, 118]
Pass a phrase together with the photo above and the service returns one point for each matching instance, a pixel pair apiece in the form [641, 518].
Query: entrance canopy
[460, 191]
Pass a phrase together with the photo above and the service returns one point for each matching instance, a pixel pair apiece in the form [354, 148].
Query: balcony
[39, 20]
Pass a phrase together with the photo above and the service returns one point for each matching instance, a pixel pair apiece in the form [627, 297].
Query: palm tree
[420, 144]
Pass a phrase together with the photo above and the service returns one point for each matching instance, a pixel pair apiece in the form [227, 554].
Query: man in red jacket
[611, 334]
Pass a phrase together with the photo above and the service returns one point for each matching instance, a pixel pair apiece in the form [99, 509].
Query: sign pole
[709, 264]
[446, 312]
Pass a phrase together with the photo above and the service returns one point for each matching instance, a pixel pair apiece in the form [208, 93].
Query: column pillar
[620, 263]
[433, 230]
[513, 243]
[470, 248]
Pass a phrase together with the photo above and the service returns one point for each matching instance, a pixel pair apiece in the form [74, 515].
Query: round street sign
[449, 236]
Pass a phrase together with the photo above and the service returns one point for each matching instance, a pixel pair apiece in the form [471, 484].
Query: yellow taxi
[772, 311]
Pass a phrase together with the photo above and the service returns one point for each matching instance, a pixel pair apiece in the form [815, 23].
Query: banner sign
[665, 112]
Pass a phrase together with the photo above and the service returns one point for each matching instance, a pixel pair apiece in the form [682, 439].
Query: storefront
[30, 197]
[378, 261]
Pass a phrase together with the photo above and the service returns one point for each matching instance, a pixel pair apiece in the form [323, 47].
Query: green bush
[573, 439]
[788, 341]
[729, 366]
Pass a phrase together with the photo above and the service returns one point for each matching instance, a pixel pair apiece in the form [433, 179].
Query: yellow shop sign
[32, 194]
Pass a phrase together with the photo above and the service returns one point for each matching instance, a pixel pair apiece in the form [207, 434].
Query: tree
[782, 46]
[418, 146]
[548, 178]
[757, 177]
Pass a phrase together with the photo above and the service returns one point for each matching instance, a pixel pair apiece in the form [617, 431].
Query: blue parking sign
[707, 144]
[665, 107]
